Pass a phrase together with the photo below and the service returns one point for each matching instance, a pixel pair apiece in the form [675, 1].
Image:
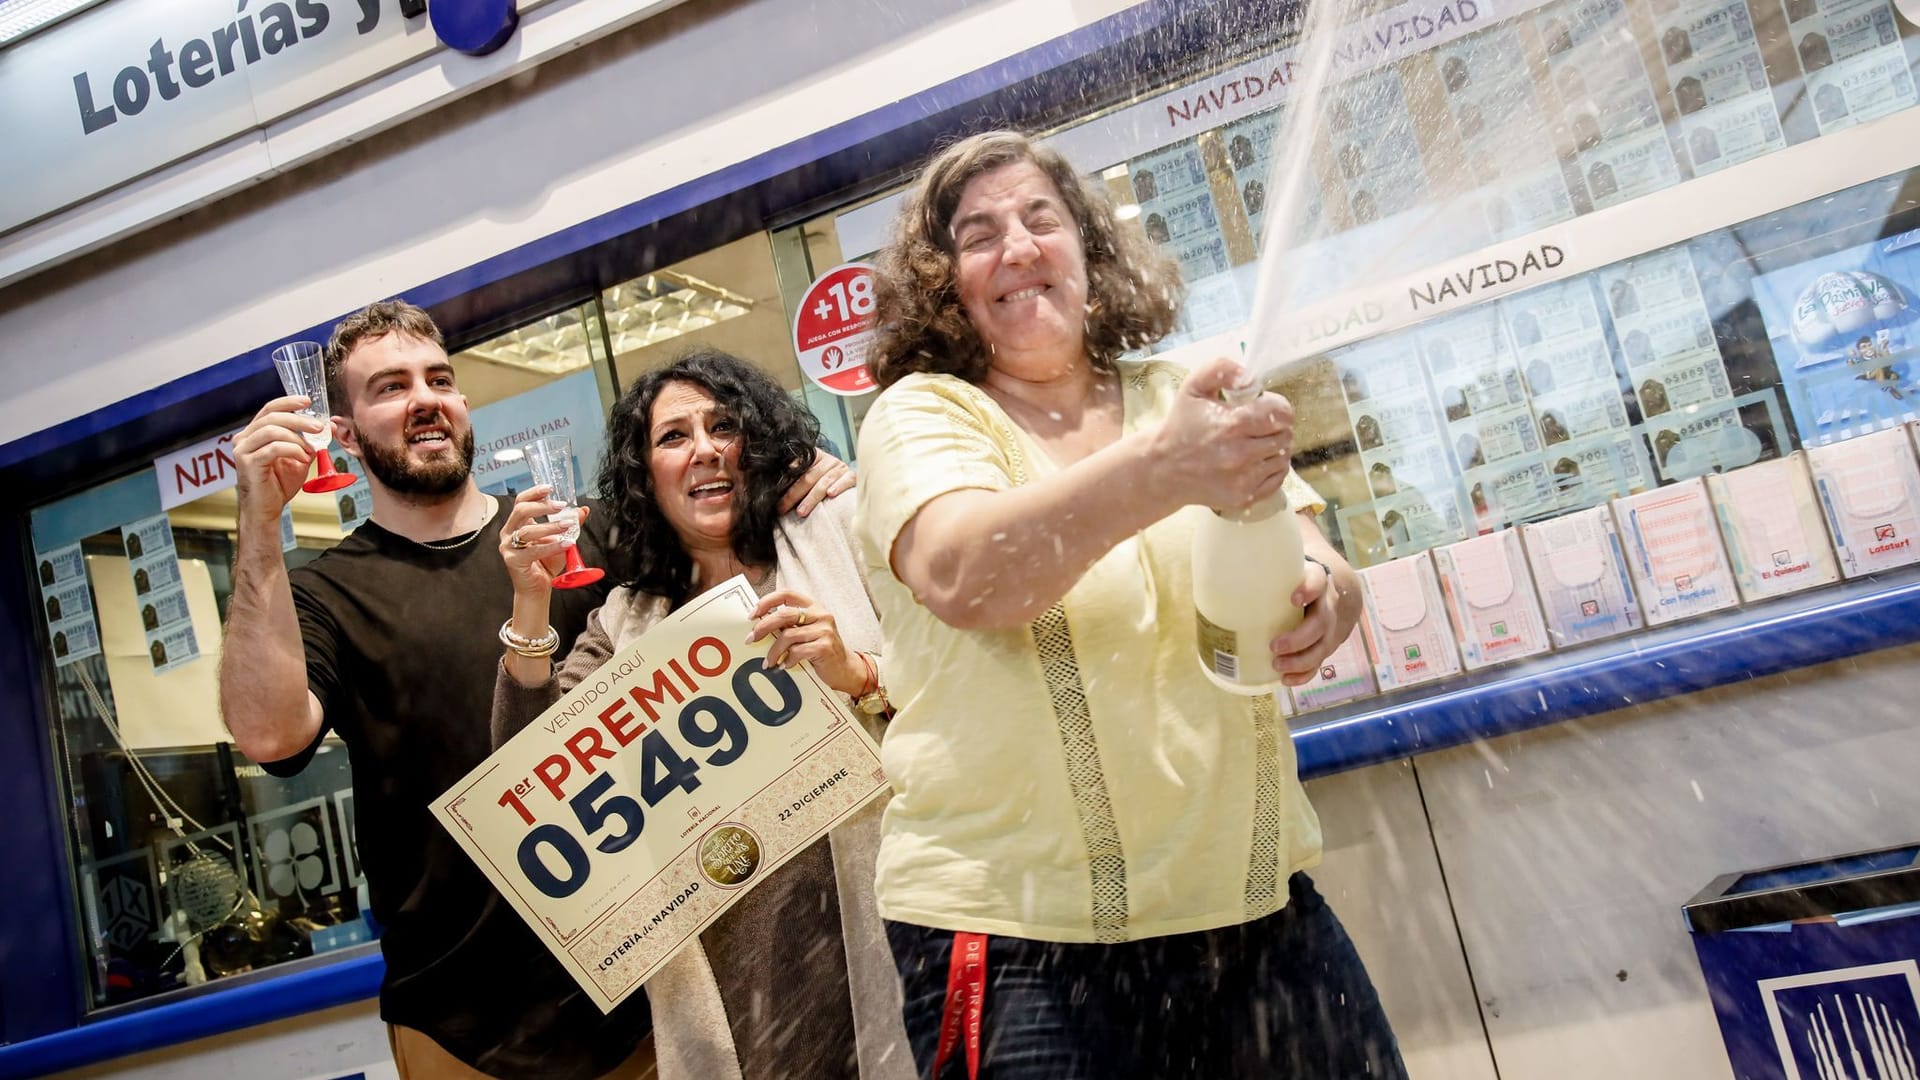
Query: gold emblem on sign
[729, 855]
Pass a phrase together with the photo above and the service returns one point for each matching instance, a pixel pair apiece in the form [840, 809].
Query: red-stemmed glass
[302, 373]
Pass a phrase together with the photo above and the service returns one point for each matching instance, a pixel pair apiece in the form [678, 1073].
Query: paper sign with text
[165, 616]
[68, 600]
[631, 814]
[197, 471]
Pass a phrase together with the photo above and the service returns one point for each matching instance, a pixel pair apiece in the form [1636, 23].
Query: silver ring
[516, 541]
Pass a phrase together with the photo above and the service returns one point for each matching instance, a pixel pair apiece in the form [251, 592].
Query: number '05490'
[616, 819]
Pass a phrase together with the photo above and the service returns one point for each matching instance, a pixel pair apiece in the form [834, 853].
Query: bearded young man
[386, 639]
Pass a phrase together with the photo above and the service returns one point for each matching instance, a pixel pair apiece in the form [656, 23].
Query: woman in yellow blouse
[1091, 864]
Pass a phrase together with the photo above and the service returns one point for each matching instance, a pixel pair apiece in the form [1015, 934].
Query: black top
[402, 652]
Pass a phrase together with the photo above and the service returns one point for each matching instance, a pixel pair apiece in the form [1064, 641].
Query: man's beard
[401, 474]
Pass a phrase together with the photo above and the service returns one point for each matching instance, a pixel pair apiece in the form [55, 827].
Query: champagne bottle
[1246, 565]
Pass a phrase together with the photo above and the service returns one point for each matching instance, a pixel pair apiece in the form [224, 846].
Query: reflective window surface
[1718, 293]
[193, 864]
[1713, 415]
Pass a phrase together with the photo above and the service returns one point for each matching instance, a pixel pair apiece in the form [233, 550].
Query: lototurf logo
[256, 36]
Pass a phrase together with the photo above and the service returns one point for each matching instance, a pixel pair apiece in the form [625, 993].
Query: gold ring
[801, 619]
[516, 540]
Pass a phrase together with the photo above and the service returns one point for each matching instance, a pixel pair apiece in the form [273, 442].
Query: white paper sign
[1412, 642]
[1490, 594]
[628, 817]
[1674, 552]
[1870, 490]
[1581, 573]
[67, 602]
[1775, 535]
[165, 617]
[197, 471]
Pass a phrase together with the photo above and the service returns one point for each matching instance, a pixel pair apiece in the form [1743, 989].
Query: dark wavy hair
[777, 441]
[1133, 289]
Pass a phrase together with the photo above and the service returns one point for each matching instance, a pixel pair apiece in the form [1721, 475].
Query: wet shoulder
[923, 402]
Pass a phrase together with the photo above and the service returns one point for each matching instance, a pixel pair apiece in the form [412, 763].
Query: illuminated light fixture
[666, 304]
[18, 18]
[1127, 211]
[645, 311]
[555, 345]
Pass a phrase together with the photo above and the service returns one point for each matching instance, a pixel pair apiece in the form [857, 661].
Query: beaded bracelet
[531, 648]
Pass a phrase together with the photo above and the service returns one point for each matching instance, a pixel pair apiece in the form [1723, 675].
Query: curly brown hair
[1133, 290]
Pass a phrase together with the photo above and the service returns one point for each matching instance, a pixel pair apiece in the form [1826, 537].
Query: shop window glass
[192, 864]
[729, 298]
[1706, 352]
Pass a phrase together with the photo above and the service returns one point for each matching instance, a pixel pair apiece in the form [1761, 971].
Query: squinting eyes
[982, 241]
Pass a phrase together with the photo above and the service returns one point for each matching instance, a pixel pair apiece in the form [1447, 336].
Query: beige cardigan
[693, 1038]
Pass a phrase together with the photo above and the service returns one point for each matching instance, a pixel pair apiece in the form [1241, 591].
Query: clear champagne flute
[551, 462]
[302, 372]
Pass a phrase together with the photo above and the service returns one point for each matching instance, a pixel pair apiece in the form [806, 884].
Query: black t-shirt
[402, 652]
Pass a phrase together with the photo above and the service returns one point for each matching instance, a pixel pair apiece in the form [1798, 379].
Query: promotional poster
[1674, 552]
[1843, 334]
[1773, 528]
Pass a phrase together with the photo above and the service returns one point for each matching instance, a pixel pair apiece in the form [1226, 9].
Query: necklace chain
[486, 515]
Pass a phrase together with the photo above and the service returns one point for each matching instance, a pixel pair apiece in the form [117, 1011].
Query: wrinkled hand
[1298, 653]
[803, 630]
[534, 551]
[1223, 455]
[829, 476]
[272, 457]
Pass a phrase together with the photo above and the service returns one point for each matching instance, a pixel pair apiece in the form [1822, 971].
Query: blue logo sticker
[474, 27]
[1862, 1023]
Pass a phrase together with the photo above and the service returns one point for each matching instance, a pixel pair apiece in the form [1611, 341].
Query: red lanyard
[966, 1001]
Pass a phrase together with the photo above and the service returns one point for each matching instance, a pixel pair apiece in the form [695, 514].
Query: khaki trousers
[418, 1057]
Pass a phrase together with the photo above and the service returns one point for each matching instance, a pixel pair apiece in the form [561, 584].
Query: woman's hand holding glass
[551, 462]
[534, 550]
[1212, 453]
[803, 630]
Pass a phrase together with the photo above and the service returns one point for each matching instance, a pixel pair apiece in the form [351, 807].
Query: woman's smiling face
[1019, 266]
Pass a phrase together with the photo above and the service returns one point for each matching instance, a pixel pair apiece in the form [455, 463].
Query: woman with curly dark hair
[1091, 866]
[795, 979]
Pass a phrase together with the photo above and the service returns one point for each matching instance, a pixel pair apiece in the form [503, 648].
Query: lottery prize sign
[834, 329]
[631, 814]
